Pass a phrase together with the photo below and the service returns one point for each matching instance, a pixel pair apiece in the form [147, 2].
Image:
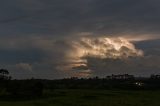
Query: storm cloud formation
[37, 36]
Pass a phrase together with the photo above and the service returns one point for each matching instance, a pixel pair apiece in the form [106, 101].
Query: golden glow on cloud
[104, 48]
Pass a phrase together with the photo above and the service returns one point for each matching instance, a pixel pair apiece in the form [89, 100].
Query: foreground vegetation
[115, 90]
[79, 97]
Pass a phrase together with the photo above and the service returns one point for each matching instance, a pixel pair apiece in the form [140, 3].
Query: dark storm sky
[33, 33]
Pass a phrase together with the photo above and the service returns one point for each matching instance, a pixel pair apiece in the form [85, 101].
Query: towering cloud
[104, 47]
[83, 49]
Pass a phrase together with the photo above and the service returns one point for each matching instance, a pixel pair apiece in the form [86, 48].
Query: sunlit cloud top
[105, 48]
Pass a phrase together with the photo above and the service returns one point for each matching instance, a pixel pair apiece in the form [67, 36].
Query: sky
[54, 39]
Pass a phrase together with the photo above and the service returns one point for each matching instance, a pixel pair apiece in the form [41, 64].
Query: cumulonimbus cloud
[83, 56]
[85, 48]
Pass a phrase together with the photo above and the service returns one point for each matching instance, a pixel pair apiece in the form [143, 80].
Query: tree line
[36, 87]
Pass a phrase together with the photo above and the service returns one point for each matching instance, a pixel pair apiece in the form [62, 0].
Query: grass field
[89, 98]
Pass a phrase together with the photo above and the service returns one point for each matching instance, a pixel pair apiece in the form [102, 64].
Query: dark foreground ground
[81, 97]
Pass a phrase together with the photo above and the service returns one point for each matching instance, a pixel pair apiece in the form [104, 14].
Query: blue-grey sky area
[37, 37]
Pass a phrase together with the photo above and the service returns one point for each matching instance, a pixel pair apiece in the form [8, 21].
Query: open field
[88, 98]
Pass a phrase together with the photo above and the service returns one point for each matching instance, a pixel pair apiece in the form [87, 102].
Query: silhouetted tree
[4, 74]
